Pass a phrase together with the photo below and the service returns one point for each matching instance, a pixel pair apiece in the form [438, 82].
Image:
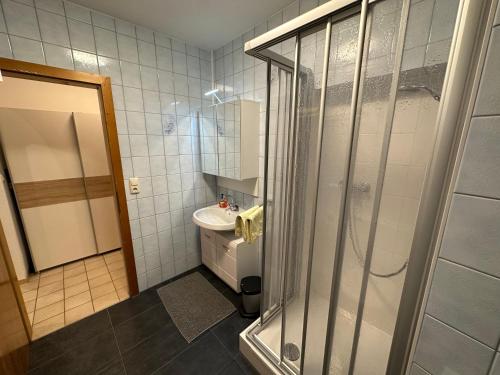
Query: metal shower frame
[456, 88]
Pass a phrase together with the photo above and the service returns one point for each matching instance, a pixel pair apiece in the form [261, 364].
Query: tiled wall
[460, 333]
[237, 74]
[157, 89]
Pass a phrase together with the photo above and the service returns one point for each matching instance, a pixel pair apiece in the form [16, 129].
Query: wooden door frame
[16, 68]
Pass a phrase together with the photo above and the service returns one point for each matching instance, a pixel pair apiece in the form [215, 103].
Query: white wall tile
[151, 101]
[147, 54]
[488, 98]
[127, 48]
[111, 68]
[478, 170]
[162, 40]
[54, 6]
[157, 165]
[149, 78]
[138, 145]
[103, 20]
[53, 28]
[58, 56]
[130, 74]
[27, 50]
[86, 62]
[133, 99]
[77, 12]
[21, 19]
[5, 50]
[179, 62]
[81, 36]
[106, 42]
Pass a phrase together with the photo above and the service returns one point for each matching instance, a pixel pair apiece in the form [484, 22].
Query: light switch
[133, 183]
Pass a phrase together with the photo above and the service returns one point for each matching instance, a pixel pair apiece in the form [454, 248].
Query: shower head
[434, 94]
[214, 94]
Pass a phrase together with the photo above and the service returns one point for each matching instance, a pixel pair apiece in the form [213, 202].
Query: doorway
[67, 223]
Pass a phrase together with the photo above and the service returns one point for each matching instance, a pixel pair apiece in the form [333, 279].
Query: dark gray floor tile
[113, 368]
[239, 367]
[155, 351]
[228, 331]
[231, 369]
[245, 366]
[133, 331]
[61, 341]
[133, 306]
[89, 357]
[207, 356]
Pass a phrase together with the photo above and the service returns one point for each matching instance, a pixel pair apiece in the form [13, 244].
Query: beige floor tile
[116, 274]
[97, 272]
[49, 299]
[76, 289]
[30, 306]
[52, 278]
[90, 260]
[50, 288]
[51, 272]
[105, 301]
[48, 311]
[72, 265]
[120, 282]
[103, 279]
[94, 265]
[116, 266]
[77, 300]
[113, 257]
[78, 279]
[30, 296]
[48, 326]
[102, 290]
[78, 313]
[74, 271]
[123, 293]
[29, 284]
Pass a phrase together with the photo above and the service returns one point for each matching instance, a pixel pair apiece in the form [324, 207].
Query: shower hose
[355, 247]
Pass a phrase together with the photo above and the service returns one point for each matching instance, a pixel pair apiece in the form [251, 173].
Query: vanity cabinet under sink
[228, 256]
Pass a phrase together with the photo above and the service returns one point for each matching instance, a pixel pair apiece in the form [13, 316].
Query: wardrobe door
[98, 180]
[42, 156]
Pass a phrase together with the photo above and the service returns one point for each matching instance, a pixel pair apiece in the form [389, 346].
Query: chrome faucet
[232, 205]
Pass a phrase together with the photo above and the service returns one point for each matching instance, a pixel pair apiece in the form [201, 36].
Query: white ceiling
[207, 24]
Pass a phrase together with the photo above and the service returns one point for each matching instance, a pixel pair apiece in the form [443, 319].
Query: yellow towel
[249, 224]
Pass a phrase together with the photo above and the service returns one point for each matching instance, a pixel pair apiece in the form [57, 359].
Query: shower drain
[291, 351]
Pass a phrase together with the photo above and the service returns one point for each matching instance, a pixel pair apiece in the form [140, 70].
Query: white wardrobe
[61, 176]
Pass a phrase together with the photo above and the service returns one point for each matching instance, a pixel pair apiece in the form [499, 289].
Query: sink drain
[291, 351]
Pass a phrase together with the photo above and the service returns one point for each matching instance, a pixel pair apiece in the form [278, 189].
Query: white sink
[215, 218]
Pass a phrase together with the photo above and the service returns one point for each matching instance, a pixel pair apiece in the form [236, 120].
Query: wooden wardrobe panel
[90, 135]
[59, 233]
[39, 145]
[107, 227]
[98, 181]
[99, 187]
[41, 151]
[43, 193]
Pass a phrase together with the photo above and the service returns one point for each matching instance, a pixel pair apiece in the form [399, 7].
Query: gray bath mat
[194, 305]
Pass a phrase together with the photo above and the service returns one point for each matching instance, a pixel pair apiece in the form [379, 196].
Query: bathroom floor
[63, 295]
[137, 336]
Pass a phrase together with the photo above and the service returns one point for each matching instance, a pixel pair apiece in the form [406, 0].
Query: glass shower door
[351, 131]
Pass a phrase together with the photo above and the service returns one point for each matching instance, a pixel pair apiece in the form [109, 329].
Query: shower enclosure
[358, 131]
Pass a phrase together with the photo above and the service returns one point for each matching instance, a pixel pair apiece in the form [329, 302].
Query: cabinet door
[98, 180]
[42, 156]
